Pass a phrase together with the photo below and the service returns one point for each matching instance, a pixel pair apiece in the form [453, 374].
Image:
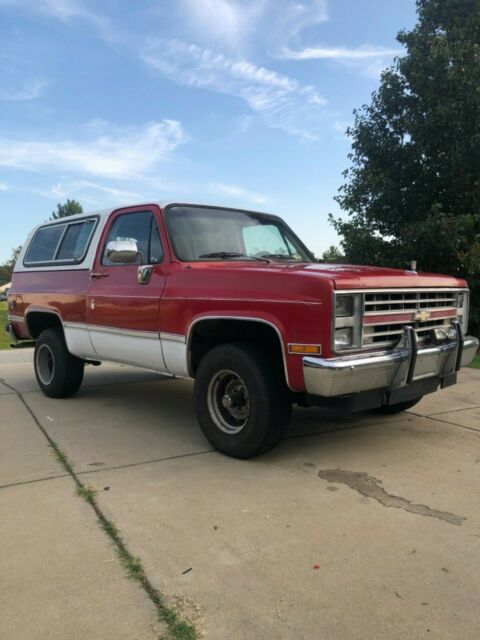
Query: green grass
[177, 628]
[4, 337]
[476, 362]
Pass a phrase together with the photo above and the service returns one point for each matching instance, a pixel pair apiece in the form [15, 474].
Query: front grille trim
[386, 333]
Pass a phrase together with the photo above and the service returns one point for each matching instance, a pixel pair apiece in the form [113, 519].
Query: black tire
[392, 409]
[250, 376]
[59, 373]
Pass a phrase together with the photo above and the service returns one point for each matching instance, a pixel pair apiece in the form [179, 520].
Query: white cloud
[92, 191]
[59, 9]
[283, 102]
[66, 11]
[113, 153]
[241, 24]
[30, 90]
[338, 53]
[3, 186]
[368, 60]
[237, 192]
[219, 20]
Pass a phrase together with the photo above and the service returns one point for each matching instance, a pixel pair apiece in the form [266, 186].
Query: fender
[244, 318]
[48, 310]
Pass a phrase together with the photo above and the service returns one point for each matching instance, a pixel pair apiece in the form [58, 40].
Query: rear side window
[60, 243]
[44, 244]
[75, 240]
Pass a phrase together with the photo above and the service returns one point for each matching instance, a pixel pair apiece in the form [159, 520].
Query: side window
[140, 227]
[75, 241]
[44, 244]
[60, 243]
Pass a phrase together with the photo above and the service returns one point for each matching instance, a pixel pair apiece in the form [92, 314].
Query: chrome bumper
[403, 365]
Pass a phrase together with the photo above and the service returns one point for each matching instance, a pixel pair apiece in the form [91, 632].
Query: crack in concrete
[21, 483]
[170, 618]
[453, 424]
[439, 413]
[113, 468]
[370, 487]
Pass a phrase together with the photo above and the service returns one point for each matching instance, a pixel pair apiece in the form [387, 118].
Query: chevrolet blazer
[236, 301]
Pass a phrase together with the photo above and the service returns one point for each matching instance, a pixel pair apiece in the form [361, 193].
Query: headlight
[347, 321]
[343, 306]
[462, 302]
[344, 337]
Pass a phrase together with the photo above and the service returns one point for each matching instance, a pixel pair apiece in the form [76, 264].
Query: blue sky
[231, 102]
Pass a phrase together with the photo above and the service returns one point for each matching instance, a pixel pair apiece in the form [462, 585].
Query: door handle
[97, 274]
[143, 273]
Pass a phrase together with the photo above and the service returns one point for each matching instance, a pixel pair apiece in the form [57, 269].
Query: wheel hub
[228, 401]
[45, 364]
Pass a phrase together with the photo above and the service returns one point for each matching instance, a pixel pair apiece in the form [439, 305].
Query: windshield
[202, 233]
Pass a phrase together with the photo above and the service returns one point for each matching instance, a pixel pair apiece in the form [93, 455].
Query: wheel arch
[38, 319]
[206, 332]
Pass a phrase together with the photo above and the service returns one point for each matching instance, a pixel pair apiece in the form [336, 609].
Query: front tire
[242, 402]
[59, 373]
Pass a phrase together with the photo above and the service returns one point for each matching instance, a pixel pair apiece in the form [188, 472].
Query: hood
[346, 276]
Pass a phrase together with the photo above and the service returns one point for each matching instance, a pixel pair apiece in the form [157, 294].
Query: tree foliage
[6, 269]
[413, 188]
[332, 255]
[69, 208]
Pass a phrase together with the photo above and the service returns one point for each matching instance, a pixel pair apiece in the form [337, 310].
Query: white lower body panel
[165, 353]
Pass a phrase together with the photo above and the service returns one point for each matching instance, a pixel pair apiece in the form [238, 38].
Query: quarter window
[75, 241]
[44, 244]
[60, 243]
[142, 228]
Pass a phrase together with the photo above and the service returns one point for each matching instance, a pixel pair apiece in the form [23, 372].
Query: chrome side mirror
[122, 251]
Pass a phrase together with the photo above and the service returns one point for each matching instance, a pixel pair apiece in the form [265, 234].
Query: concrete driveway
[355, 527]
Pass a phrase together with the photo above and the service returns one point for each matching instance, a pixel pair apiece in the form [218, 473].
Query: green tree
[332, 255]
[69, 208]
[6, 269]
[413, 188]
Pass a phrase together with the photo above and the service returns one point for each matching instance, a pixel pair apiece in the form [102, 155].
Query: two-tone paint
[107, 315]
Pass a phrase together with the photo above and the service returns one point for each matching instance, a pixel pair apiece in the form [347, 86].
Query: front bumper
[395, 369]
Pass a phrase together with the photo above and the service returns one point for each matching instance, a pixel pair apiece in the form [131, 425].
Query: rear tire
[392, 409]
[59, 373]
[242, 402]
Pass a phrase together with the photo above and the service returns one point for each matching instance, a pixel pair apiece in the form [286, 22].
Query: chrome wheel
[228, 401]
[45, 364]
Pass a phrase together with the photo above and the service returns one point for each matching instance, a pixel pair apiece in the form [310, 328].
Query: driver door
[123, 300]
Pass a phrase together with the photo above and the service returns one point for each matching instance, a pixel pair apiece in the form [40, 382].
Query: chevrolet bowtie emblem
[421, 316]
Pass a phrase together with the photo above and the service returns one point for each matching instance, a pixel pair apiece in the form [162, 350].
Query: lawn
[4, 337]
[476, 361]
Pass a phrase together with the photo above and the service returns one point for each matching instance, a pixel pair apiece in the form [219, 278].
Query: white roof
[102, 214]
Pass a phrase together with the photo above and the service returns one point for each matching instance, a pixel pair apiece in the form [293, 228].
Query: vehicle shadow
[127, 416]
[164, 406]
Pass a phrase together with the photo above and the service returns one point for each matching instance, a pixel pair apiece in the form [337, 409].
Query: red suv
[235, 300]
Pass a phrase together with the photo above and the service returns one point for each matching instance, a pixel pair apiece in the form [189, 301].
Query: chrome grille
[409, 300]
[409, 303]
[385, 334]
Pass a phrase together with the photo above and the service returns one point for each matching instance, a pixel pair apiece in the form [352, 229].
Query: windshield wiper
[280, 256]
[224, 255]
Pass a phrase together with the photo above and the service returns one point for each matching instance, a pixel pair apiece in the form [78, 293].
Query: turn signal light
[305, 348]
